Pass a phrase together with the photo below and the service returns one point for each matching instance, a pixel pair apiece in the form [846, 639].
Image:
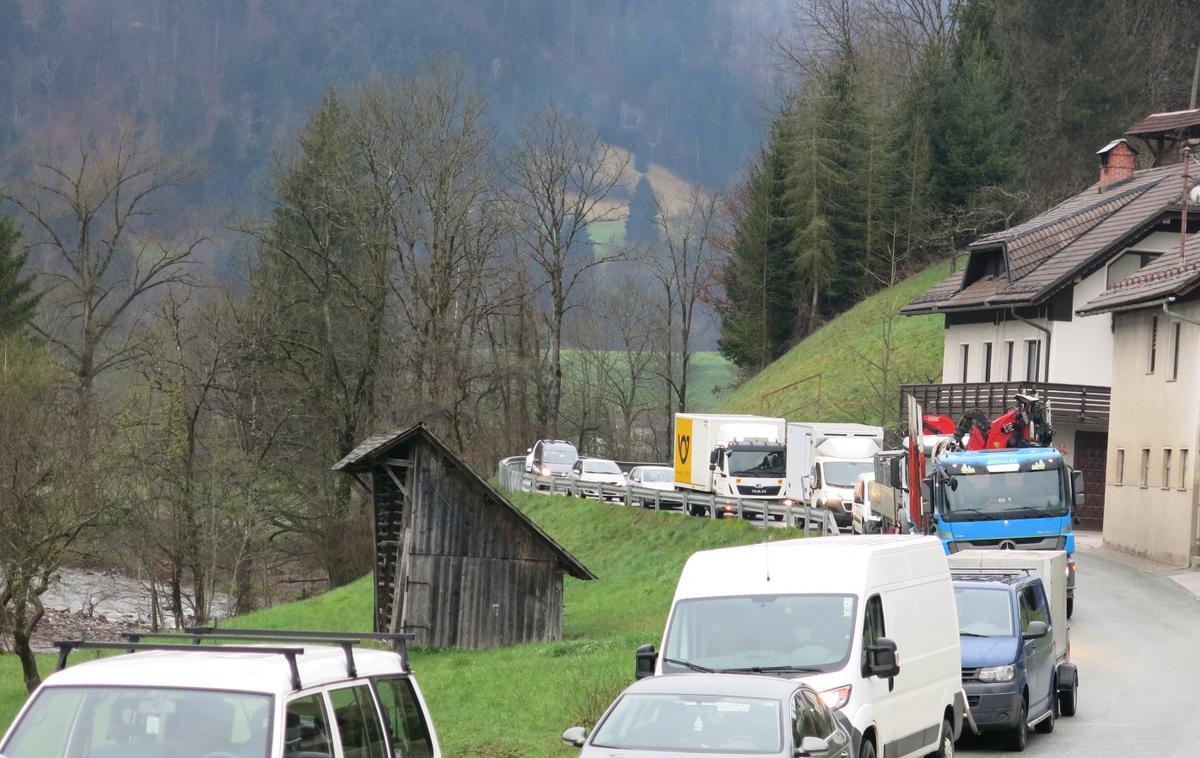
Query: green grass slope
[841, 353]
[516, 701]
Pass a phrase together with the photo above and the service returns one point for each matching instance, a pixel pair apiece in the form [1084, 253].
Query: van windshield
[781, 633]
[560, 454]
[984, 612]
[845, 473]
[142, 722]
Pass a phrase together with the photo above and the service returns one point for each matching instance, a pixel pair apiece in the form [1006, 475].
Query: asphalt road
[1136, 640]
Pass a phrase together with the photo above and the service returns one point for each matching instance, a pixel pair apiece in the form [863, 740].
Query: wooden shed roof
[1165, 122]
[373, 451]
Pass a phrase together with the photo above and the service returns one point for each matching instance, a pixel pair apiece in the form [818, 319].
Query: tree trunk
[24, 652]
[555, 372]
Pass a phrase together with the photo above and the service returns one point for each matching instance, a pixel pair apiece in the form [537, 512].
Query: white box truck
[730, 455]
[824, 461]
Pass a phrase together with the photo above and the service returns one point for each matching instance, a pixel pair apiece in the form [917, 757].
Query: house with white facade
[1017, 316]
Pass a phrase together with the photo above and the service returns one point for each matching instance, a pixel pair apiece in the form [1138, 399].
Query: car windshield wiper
[971, 634]
[690, 665]
[771, 669]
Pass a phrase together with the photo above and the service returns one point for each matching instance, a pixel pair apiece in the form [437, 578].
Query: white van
[867, 621]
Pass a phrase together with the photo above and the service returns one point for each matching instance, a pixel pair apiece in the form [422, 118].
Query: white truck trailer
[824, 461]
[730, 455]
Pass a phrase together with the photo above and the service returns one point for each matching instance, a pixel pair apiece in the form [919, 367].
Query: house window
[1153, 345]
[1008, 360]
[987, 362]
[1166, 479]
[1033, 360]
[966, 356]
[1175, 351]
[1183, 462]
[1144, 474]
[1119, 474]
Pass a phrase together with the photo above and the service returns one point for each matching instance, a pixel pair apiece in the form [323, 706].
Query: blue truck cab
[1014, 499]
[1008, 656]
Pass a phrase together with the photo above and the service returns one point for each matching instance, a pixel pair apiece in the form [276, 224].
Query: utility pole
[1195, 80]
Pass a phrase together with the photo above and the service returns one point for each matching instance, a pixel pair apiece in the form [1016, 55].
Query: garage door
[1091, 455]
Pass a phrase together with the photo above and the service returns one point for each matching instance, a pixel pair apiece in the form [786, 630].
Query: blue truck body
[1017, 499]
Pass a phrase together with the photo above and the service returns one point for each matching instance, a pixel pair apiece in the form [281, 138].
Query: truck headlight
[997, 674]
[837, 697]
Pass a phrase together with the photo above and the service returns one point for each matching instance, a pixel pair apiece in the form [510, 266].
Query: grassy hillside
[532, 692]
[516, 701]
[841, 353]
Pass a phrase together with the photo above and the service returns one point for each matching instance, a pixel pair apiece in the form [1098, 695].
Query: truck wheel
[1018, 738]
[1070, 606]
[1068, 699]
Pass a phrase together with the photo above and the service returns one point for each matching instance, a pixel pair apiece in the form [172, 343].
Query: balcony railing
[1069, 403]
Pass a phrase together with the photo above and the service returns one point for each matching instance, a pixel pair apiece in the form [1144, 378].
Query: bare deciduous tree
[560, 177]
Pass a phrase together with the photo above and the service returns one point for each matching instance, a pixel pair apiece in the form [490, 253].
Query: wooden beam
[361, 483]
[396, 480]
[398, 462]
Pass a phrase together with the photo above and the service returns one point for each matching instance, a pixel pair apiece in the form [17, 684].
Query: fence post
[657, 500]
[712, 505]
[739, 507]
[789, 518]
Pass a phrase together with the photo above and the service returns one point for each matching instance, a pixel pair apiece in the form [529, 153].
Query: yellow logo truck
[730, 455]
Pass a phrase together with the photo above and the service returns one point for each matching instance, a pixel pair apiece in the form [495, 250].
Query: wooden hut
[456, 563]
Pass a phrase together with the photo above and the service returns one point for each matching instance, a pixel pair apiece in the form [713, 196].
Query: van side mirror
[810, 746]
[575, 736]
[1036, 630]
[529, 450]
[1077, 487]
[882, 660]
[645, 659]
[927, 496]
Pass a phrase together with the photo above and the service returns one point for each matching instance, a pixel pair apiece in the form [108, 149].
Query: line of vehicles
[898, 652]
[971, 483]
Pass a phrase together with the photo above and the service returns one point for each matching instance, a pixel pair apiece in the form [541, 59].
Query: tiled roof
[1163, 122]
[1046, 252]
[1168, 275]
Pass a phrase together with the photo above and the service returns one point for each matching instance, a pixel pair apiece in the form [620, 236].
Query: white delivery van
[730, 455]
[867, 621]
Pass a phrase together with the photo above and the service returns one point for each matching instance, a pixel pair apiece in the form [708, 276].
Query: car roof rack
[346, 640]
[65, 647]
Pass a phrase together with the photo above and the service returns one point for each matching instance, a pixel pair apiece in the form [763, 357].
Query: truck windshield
[781, 633]
[1017, 494]
[984, 612]
[141, 722]
[759, 463]
[845, 473]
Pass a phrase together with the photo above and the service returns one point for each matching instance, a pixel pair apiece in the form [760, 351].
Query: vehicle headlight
[546, 471]
[787, 501]
[997, 674]
[837, 697]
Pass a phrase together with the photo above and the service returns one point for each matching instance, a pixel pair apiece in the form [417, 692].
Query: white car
[586, 473]
[308, 694]
[660, 478]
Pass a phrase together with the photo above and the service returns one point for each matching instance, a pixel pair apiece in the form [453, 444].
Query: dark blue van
[1009, 666]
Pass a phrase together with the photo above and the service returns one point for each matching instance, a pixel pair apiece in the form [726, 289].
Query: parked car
[867, 621]
[715, 714]
[248, 701]
[660, 478]
[587, 473]
[550, 458]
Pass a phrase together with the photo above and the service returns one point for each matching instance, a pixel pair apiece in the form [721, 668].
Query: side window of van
[873, 627]
[1023, 602]
[1034, 598]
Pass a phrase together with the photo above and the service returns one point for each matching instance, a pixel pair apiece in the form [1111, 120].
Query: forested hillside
[916, 126]
[682, 82]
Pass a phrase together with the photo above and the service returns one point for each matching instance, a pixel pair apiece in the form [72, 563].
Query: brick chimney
[1117, 160]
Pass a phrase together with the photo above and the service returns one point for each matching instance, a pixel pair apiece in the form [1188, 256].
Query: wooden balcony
[1075, 404]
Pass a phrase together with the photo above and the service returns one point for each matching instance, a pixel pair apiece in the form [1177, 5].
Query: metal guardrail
[512, 477]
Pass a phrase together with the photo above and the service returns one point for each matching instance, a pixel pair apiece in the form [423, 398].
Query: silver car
[680, 715]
